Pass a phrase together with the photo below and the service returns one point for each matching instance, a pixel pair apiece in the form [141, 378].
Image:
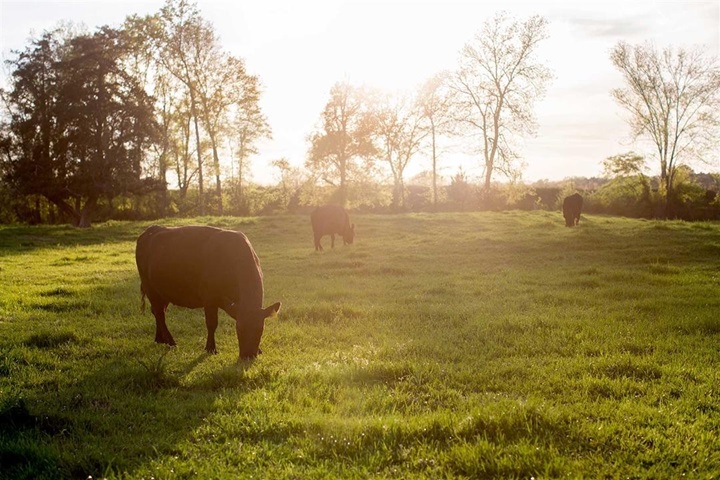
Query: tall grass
[482, 345]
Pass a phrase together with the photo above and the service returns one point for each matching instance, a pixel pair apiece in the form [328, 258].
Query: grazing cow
[204, 267]
[331, 220]
[572, 206]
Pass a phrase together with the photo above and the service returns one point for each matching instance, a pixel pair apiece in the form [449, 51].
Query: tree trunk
[86, 214]
[51, 214]
[398, 192]
[68, 210]
[164, 199]
[664, 192]
[218, 187]
[37, 215]
[240, 192]
[193, 108]
[434, 170]
[343, 188]
[669, 210]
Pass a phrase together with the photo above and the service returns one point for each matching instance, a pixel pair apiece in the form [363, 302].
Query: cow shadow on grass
[89, 399]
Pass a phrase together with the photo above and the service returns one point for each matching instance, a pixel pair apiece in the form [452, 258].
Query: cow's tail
[142, 299]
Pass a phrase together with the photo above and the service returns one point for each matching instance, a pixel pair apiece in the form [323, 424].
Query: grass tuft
[50, 339]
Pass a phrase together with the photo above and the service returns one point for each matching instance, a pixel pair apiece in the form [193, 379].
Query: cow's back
[573, 203]
[191, 266]
[572, 207]
[329, 219]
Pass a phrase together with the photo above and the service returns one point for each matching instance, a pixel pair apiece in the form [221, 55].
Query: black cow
[331, 220]
[572, 206]
[204, 267]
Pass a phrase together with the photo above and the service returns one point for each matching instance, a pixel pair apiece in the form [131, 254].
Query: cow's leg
[332, 240]
[211, 321]
[318, 245]
[162, 334]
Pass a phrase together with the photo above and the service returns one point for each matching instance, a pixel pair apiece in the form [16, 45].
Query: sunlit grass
[484, 345]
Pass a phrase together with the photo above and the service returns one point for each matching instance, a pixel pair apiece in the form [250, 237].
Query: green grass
[483, 345]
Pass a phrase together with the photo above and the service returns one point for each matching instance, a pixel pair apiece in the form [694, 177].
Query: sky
[299, 49]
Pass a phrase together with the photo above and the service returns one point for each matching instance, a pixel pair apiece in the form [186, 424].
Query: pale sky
[299, 49]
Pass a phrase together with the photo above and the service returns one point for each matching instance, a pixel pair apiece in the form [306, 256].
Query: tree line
[156, 119]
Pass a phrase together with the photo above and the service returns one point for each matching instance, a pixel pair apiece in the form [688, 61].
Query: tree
[144, 61]
[249, 124]
[32, 140]
[343, 140]
[435, 101]
[184, 39]
[496, 85]
[291, 183]
[460, 190]
[398, 128]
[629, 190]
[79, 124]
[216, 89]
[673, 98]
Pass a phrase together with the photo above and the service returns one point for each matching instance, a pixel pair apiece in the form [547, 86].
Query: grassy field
[477, 345]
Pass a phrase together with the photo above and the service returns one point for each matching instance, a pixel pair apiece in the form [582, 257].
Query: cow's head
[349, 235]
[250, 325]
[569, 220]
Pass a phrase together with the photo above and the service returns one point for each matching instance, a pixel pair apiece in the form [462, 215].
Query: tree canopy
[496, 85]
[79, 123]
[672, 97]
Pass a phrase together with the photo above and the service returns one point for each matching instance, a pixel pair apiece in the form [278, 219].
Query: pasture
[454, 345]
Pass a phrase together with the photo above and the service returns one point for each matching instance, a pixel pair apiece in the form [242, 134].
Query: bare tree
[222, 85]
[249, 124]
[292, 181]
[180, 139]
[343, 140]
[435, 101]
[184, 39]
[496, 85]
[673, 98]
[144, 62]
[398, 127]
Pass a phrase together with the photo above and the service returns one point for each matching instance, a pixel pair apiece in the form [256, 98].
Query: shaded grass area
[486, 345]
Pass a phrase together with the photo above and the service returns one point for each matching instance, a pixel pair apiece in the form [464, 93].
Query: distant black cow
[331, 220]
[572, 206]
[204, 267]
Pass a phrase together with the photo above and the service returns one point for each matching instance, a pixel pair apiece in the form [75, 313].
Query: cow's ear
[272, 310]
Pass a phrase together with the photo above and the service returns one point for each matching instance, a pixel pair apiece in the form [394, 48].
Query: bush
[625, 196]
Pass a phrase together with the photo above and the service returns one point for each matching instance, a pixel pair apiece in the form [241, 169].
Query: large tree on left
[78, 123]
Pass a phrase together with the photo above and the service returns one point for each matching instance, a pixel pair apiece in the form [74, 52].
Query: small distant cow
[331, 220]
[204, 267]
[572, 206]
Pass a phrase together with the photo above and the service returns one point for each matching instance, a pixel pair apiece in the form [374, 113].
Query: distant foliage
[626, 196]
[695, 197]
[672, 97]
